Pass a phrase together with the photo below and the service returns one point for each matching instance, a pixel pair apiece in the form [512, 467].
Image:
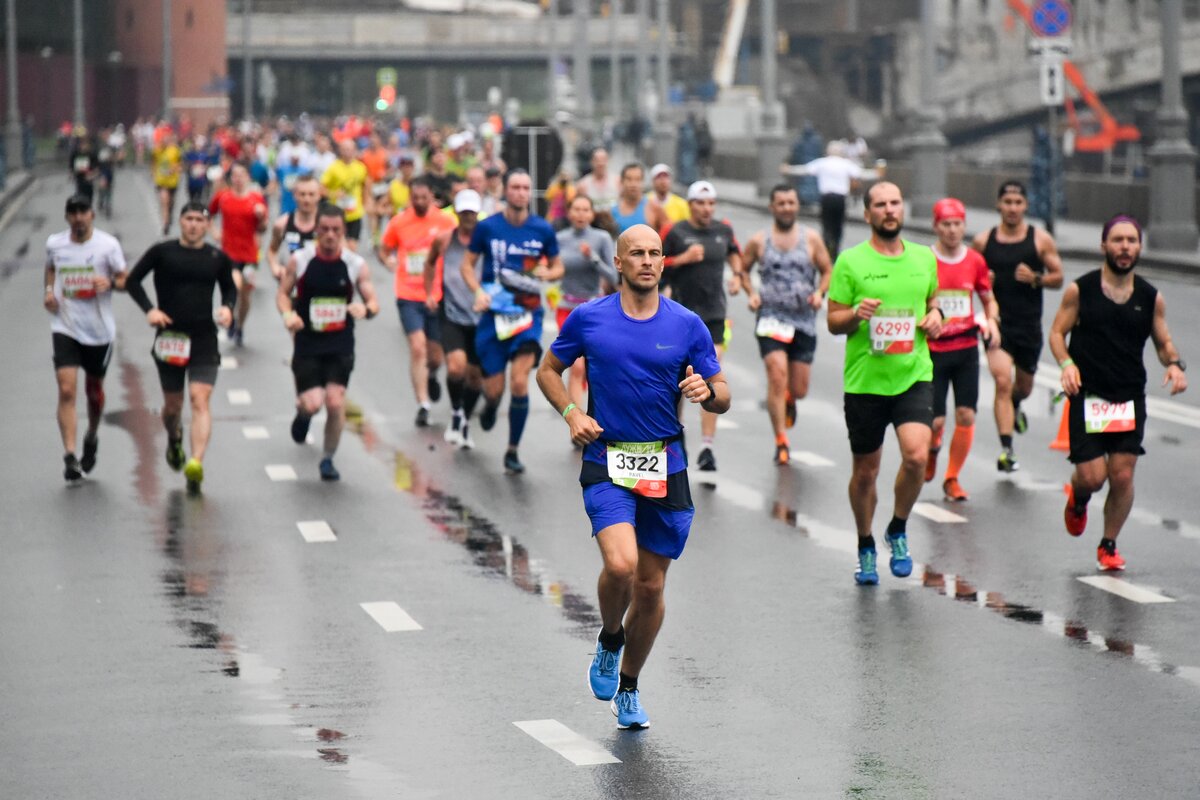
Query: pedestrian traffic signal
[387, 96]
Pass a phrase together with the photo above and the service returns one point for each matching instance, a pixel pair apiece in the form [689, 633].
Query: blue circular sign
[1051, 17]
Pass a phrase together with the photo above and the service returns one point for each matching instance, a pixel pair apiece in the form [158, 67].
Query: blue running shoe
[603, 673]
[328, 470]
[866, 575]
[901, 561]
[629, 712]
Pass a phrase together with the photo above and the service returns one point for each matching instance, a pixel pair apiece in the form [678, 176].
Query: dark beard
[785, 226]
[1112, 264]
[887, 235]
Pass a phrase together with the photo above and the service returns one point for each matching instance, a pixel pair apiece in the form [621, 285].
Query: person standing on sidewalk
[1023, 261]
[883, 297]
[962, 273]
[1108, 314]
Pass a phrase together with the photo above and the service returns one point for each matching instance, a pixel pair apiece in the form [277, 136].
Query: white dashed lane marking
[810, 459]
[256, 432]
[239, 397]
[229, 362]
[937, 513]
[316, 530]
[567, 743]
[281, 472]
[391, 617]
[1122, 588]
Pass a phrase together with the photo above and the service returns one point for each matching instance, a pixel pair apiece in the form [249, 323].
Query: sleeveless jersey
[627, 221]
[1020, 303]
[324, 289]
[294, 238]
[1108, 339]
[789, 277]
[457, 298]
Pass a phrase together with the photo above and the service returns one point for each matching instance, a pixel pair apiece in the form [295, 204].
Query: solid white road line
[255, 432]
[229, 362]
[726, 424]
[316, 530]
[937, 513]
[391, 617]
[1122, 588]
[567, 743]
[810, 459]
[281, 472]
[238, 397]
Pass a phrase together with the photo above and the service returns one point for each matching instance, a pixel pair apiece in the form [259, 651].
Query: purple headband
[1119, 218]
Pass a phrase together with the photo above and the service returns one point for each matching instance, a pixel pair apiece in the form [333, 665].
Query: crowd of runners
[638, 273]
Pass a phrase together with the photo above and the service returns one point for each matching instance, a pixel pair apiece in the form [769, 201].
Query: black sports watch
[712, 393]
[1179, 362]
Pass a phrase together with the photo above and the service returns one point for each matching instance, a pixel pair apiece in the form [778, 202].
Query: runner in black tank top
[1109, 314]
[294, 229]
[1023, 261]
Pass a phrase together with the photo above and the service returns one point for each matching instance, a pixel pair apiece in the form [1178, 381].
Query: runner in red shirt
[243, 217]
[962, 273]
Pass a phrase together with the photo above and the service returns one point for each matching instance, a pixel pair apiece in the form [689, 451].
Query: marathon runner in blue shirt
[644, 353]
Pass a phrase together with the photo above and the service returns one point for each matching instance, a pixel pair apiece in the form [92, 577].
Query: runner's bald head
[636, 232]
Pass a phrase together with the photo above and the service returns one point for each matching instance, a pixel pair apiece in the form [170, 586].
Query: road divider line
[238, 397]
[281, 472]
[727, 424]
[229, 362]
[937, 513]
[567, 743]
[316, 530]
[255, 432]
[810, 459]
[390, 616]
[1123, 588]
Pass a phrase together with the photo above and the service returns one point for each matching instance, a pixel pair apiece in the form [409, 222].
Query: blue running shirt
[634, 368]
[510, 252]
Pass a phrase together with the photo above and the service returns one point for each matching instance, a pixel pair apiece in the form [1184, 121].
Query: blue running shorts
[660, 530]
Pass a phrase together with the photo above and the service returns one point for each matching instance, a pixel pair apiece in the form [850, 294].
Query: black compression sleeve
[225, 281]
[133, 283]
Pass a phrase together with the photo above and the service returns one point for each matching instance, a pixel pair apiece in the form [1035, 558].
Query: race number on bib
[289, 181]
[893, 331]
[640, 467]
[327, 314]
[174, 348]
[199, 171]
[77, 282]
[1105, 416]
[771, 328]
[348, 202]
[509, 325]
[415, 263]
[954, 303]
[81, 164]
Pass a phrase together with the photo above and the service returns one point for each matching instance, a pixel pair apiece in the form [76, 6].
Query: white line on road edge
[1121, 588]
[281, 472]
[316, 530]
[937, 513]
[726, 424]
[229, 362]
[255, 432]
[567, 743]
[238, 397]
[391, 617]
[810, 459]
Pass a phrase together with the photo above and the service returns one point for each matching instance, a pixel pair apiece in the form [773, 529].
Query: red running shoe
[1109, 560]
[1074, 515]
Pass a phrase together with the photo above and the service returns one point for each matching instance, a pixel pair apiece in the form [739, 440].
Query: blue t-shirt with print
[510, 252]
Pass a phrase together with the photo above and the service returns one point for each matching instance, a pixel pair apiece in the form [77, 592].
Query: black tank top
[293, 237]
[1109, 338]
[1020, 303]
[324, 289]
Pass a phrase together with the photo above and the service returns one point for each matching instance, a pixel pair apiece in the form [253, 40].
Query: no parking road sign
[1050, 17]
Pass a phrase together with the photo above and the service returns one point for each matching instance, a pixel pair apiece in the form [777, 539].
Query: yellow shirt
[345, 185]
[167, 161]
[675, 207]
[398, 194]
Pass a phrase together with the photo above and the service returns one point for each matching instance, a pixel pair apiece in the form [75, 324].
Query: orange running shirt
[411, 236]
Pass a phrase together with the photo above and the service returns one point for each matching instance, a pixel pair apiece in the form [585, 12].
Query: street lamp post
[12, 128]
[614, 60]
[772, 139]
[1172, 158]
[583, 64]
[665, 134]
[928, 145]
[80, 118]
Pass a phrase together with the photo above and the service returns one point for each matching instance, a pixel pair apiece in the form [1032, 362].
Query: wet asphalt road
[157, 645]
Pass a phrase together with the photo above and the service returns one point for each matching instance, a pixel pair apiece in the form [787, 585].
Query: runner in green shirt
[882, 298]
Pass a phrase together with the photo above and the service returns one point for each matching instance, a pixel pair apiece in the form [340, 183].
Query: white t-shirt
[604, 193]
[319, 162]
[833, 174]
[83, 314]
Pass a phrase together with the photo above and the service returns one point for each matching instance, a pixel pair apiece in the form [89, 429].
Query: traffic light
[387, 96]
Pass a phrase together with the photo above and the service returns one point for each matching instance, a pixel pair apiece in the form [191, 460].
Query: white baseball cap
[702, 190]
[455, 141]
[467, 200]
[659, 169]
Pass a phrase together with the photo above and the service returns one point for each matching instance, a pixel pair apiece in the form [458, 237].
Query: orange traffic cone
[1063, 440]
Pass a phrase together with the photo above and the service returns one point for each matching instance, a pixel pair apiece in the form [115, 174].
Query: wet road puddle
[496, 553]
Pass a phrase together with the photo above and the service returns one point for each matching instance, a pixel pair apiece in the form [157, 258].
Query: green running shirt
[887, 354]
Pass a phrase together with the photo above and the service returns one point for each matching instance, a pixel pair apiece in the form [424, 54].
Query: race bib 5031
[954, 303]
